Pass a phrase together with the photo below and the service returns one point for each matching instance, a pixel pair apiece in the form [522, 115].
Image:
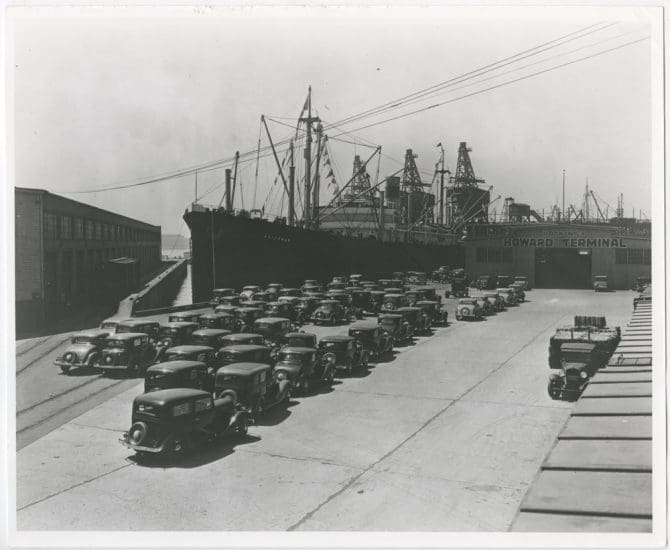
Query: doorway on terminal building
[562, 268]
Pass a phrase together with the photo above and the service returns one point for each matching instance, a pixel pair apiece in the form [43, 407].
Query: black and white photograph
[334, 275]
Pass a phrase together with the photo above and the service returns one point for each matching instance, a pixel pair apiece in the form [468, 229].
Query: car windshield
[327, 307]
[575, 357]
[601, 279]
[263, 325]
[115, 344]
[158, 375]
[110, 324]
[168, 331]
[290, 357]
[120, 329]
[388, 322]
[82, 339]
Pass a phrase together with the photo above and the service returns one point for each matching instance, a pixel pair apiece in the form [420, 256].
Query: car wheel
[65, 369]
[134, 368]
[258, 409]
[554, 388]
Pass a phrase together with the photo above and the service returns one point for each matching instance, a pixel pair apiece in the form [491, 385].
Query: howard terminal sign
[551, 242]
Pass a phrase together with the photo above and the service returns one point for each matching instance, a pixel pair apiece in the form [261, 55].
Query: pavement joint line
[56, 396]
[73, 487]
[382, 394]
[521, 405]
[96, 427]
[302, 459]
[356, 477]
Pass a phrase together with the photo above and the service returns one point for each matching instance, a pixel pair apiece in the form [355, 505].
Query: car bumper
[110, 366]
[61, 363]
[141, 448]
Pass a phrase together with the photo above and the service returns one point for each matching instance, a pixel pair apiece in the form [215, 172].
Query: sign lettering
[531, 242]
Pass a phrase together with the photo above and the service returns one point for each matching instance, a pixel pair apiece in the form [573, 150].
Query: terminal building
[68, 254]
[561, 255]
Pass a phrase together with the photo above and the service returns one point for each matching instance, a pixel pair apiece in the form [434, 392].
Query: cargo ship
[372, 228]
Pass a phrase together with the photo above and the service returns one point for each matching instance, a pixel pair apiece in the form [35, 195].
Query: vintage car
[329, 311]
[397, 284]
[640, 284]
[374, 339]
[600, 283]
[280, 309]
[242, 338]
[397, 327]
[520, 293]
[172, 421]
[184, 317]
[274, 288]
[429, 293]
[369, 285]
[290, 292]
[204, 354]
[393, 301]
[413, 296]
[419, 322]
[399, 275]
[334, 285]
[228, 301]
[434, 311]
[468, 308]
[300, 367]
[310, 282]
[304, 308]
[299, 340]
[355, 278]
[110, 324]
[342, 353]
[346, 301]
[416, 277]
[459, 287]
[376, 300]
[312, 289]
[496, 299]
[248, 291]
[130, 351]
[339, 279]
[273, 329]
[503, 281]
[139, 325]
[262, 296]
[84, 349]
[247, 317]
[174, 334]
[577, 366]
[385, 283]
[509, 295]
[441, 274]
[244, 353]
[487, 306]
[361, 302]
[219, 293]
[228, 309]
[485, 282]
[256, 388]
[522, 279]
[212, 337]
[257, 304]
[293, 300]
[178, 374]
[220, 320]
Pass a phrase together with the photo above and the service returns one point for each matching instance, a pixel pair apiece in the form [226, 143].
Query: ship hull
[233, 251]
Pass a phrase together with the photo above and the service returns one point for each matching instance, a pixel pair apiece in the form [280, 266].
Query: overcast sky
[109, 97]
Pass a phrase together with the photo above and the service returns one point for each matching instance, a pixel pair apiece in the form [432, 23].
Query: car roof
[394, 295]
[467, 300]
[427, 302]
[185, 313]
[329, 302]
[389, 316]
[92, 333]
[271, 319]
[243, 369]
[244, 347]
[223, 289]
[296, 349]
[173, 366]
[162, 397]
[179, 324]
[363, 325]
[211, 332]
[336, 338]
[126, 335]
[242, 335]
[293, 334]
[408, 308]
[248, 309]
[188, 349]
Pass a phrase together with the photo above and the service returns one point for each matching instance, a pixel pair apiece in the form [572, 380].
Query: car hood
[113, 351]
[575, 366]
[288, 366]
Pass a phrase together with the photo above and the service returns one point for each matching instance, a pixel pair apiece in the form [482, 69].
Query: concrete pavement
[446, 437]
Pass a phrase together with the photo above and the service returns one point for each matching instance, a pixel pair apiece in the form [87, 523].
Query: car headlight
[281, 375]
[166, 342]
[69, 357]
[108, 359]
[583, 374]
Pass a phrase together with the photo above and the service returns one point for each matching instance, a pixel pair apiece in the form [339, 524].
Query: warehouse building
[561, 255]
[69, 253]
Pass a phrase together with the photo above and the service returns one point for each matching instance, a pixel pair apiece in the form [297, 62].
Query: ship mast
[308, 120]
